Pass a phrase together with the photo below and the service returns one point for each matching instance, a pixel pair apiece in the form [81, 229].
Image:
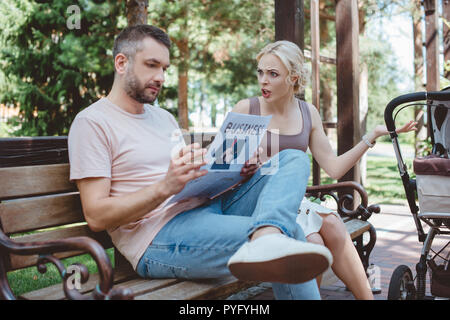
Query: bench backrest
[37, 200]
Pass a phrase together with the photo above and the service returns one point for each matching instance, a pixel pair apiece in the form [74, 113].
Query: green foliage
[222, 38]
[384, 75]
[52, 71]
[425, 147]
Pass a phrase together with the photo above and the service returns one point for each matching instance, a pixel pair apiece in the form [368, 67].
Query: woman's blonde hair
[292, 58]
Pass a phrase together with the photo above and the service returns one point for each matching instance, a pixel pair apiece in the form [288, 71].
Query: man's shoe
[278, 258]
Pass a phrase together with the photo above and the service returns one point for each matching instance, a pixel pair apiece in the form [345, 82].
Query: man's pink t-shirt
[134, 151]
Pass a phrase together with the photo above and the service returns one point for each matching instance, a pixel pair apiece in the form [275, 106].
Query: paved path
[397, 244]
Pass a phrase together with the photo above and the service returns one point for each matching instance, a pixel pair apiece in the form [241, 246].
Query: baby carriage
[432, 189]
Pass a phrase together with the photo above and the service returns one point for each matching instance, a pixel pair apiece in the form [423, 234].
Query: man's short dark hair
[128, 41]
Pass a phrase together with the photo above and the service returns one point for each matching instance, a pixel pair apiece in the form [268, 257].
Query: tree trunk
[213, 114]
[137, 12]
[183, 68]
[421, 133]
[183, 84]
[202, 101]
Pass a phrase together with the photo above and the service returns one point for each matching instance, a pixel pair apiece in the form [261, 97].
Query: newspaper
[235, 143]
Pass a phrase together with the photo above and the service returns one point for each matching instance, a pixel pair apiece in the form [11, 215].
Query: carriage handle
[410, 97]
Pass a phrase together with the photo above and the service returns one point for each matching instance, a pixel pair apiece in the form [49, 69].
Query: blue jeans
[199, 242]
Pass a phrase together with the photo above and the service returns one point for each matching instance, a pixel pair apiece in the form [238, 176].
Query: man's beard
[136, 90]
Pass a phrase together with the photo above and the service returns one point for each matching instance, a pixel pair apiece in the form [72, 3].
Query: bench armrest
[45, 251]
[342, 193]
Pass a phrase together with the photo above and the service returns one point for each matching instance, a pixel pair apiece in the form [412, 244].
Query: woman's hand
[381, 130]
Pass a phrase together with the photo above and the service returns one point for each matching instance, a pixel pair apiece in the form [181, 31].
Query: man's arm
[102, 211]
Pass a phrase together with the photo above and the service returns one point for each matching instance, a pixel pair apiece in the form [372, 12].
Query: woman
[297, 125]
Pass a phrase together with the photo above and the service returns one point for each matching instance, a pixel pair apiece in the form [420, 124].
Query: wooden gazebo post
[289, 25]
[432, 44]
[431, 49]
[446, 33]
[347, 77]
[290, 21]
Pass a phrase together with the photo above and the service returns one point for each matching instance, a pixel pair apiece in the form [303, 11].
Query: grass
[29, 279]
[383, 182]
[383, 186]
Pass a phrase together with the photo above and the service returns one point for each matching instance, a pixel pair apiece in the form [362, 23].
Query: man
[122, 159]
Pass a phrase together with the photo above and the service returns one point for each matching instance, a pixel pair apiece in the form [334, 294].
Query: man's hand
[252, 165]
[183, 168]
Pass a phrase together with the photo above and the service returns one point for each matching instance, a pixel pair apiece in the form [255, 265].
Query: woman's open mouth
[266, 93]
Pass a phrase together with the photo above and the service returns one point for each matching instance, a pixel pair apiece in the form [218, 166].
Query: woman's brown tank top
[298, 141]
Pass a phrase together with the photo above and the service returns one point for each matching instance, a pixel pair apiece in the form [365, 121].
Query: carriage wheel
[401, 286]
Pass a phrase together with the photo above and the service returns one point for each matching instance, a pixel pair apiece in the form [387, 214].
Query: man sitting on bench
[121, 157]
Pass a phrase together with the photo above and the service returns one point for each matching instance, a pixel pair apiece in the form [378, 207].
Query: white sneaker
[278, 258]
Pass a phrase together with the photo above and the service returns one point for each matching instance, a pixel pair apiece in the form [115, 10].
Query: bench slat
[19, 182]
[200, 289]
[18, 262]
[140, 286]
[40, 212]
[356, 227]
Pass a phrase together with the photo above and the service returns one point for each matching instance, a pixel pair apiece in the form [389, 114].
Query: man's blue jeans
[199, 242]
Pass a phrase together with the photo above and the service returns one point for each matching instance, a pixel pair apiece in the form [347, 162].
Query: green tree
[215, 43]
[53, 55]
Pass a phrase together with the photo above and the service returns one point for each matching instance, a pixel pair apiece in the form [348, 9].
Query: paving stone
[397, 244]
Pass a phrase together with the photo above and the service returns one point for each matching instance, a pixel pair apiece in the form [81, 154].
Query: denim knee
[288, 155]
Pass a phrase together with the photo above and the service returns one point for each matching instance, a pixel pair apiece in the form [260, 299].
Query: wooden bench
[41, 221]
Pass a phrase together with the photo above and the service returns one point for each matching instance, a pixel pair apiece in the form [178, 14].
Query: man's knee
[289, 158]
[287, 155]
[294, 156]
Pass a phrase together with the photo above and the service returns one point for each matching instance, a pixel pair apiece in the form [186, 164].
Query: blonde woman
[296, 124]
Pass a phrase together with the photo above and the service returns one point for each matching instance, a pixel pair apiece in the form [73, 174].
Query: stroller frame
[402, 277]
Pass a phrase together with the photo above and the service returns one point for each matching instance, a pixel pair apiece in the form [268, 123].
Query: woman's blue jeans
[198, 243]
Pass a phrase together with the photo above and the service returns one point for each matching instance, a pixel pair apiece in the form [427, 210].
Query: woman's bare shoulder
[312, 110]
[243, 106]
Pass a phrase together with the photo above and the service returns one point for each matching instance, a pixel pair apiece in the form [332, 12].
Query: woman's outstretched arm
[337, 166]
